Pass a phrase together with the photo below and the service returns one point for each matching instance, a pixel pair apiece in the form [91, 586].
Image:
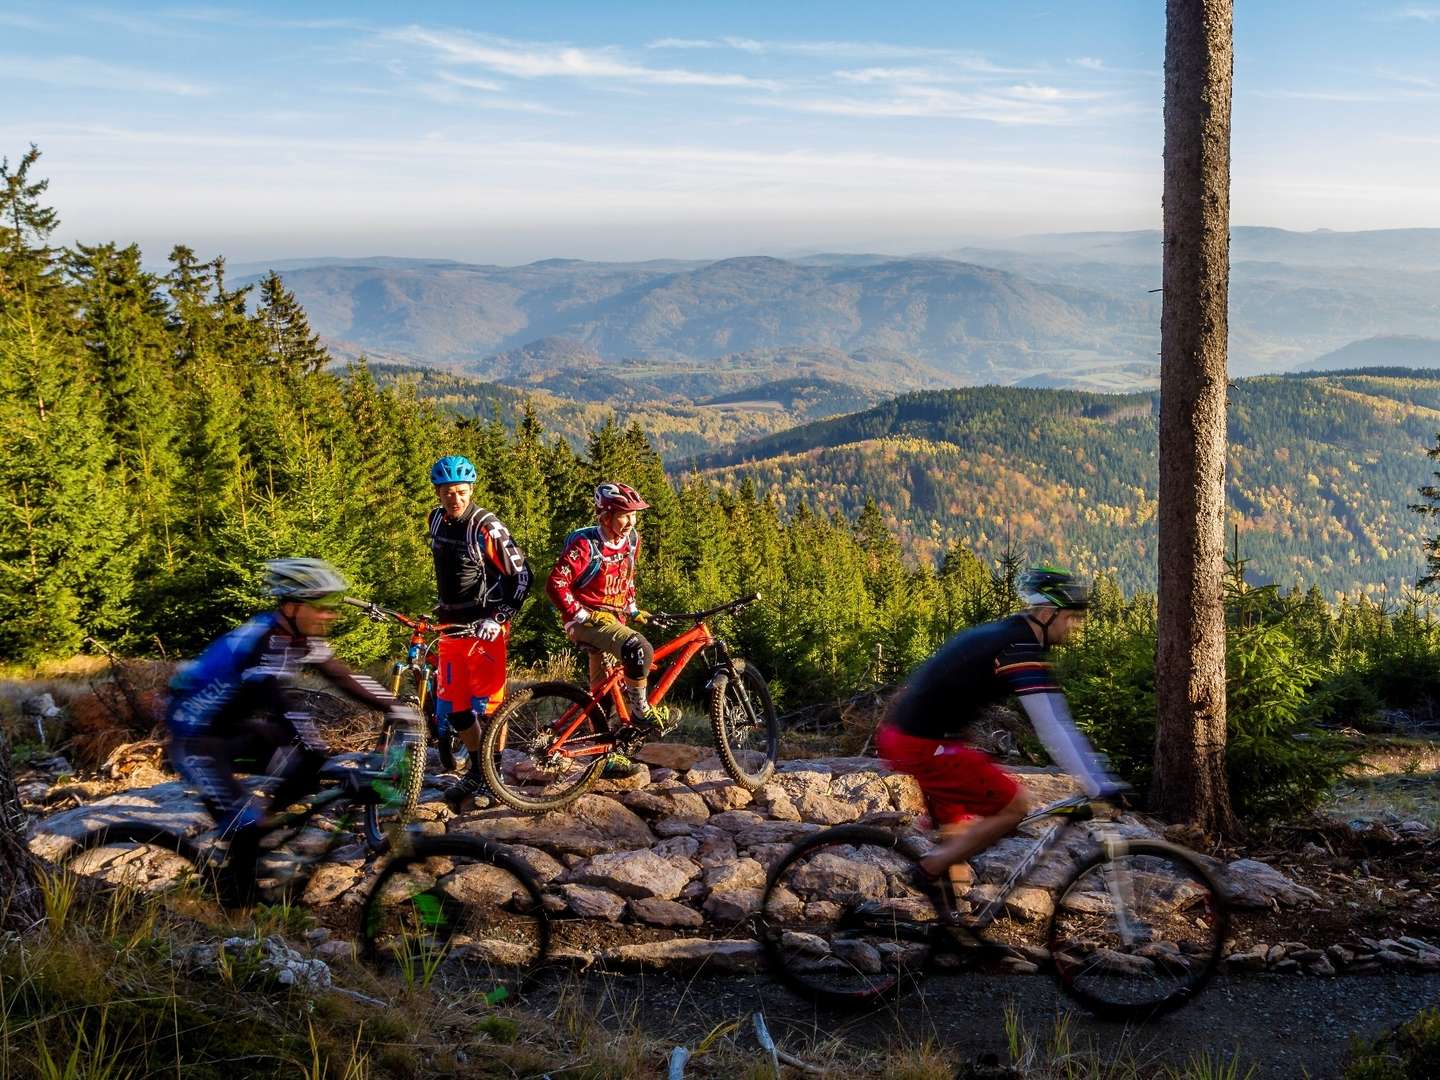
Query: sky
[505, 133]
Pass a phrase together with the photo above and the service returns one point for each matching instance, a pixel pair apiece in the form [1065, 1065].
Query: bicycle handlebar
[422, 622]
[701, 616]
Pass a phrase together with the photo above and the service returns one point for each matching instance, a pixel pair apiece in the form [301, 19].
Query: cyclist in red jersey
[593, 586]
[975, 803]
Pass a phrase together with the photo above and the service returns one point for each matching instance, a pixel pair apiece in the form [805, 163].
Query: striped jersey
[975, 669]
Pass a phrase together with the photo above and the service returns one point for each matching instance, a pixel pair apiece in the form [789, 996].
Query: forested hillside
[1322, 471]
[161, 436]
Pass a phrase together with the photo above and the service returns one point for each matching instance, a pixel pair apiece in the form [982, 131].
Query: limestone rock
[664, 913]
[1253, 884]
[717, 789]
[824, 809]
[591, 903]
[633, 874]
[733, 905]
[740, 874]
[591, 825]
[543, 866]
[681, 953]
[168, 806]
[678, 756]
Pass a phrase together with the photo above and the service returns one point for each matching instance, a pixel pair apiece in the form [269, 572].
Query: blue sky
[509, 132]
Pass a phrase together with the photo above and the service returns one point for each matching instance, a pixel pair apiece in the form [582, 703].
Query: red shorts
[470, 674]
[958, 780]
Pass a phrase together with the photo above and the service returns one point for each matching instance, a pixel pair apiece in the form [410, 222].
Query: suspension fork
[726, 663]
[1120, 885]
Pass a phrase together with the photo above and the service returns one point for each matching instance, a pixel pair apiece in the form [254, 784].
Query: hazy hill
[1396, 350]
[1079, 309]
[1322, 471]
[971, 322]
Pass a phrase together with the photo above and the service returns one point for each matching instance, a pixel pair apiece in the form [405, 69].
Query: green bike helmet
[1053, 585]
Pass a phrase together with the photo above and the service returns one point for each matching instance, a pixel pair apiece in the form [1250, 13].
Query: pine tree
[26, 259]
[289, 343]
[64, 524]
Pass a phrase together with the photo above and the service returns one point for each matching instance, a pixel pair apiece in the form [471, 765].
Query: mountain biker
[593, 585]
[482, 578]
[973, 802]
[237, 701]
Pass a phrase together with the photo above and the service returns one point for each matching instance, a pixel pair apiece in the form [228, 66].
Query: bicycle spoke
[450, 911]
[529, 761]
[1137, 933]
[843, 920]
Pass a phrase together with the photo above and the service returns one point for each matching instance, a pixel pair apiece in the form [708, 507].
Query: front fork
[724, 663]
[1120, 885]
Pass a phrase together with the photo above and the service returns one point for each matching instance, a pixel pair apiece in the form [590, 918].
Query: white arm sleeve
[1050, 716]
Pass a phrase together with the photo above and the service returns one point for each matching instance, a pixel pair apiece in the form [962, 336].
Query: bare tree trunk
[20, 904]
[1190, 783]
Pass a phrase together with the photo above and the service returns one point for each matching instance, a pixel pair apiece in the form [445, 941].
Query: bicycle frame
[1071, 812]
[687, 645]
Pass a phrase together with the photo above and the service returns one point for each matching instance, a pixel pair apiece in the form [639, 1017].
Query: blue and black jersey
[249, 670]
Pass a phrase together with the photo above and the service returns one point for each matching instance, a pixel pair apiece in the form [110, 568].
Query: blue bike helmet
[453, 469]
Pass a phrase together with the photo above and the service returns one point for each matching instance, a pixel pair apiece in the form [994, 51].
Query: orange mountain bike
[548, 742]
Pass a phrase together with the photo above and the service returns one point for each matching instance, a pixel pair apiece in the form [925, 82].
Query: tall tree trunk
[1190, 783]
[20, 903]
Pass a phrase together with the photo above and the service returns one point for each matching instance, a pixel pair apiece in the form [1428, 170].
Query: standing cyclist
[481, 578]
[237, 701]
[593, 585]
[923, 735]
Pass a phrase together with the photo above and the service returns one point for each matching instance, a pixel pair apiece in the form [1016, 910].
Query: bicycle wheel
[153, 862]
[459, 909]
[530, 773]
[747, 732]
[1139, 932]
[846, 919]
[403, 749]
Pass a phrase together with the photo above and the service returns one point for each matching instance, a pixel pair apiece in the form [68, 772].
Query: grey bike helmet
[303, 579]
[1053, 585]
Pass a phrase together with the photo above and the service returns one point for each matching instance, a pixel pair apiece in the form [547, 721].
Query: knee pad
[463, 720]
[636, 655]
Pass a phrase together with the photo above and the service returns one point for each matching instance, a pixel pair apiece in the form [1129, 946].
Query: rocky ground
[663, 870]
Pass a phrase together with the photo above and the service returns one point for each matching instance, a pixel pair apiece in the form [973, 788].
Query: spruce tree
[27, 262]
[65, 527]
[289, 343]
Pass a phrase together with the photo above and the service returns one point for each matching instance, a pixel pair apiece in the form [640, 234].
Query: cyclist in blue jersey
[237, 701]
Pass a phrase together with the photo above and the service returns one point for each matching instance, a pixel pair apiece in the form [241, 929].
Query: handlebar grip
[353, 602]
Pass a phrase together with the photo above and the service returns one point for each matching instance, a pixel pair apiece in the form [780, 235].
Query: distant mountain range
[1393, 351]
[1322, 470]
[1079, 310]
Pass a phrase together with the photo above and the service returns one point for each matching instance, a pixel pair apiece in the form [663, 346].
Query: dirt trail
[1285, 1027]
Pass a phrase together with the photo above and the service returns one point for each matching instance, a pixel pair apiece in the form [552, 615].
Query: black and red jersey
[480, 572]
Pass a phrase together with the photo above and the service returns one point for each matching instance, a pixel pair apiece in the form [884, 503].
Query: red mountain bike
[548, 742]
[413, 683]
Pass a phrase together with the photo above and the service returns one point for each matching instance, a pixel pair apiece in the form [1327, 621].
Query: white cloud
[524, 61]
[1090, 63]
[931, 102]
[898, 74]
[470, 82]
[1424, 14]
[82, 71]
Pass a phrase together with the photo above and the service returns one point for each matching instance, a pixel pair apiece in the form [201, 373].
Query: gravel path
[1285, 1026]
